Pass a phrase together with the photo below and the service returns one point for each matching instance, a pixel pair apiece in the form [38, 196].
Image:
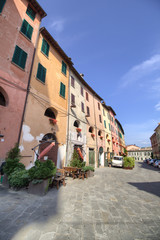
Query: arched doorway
[101, 156]
[52, 153]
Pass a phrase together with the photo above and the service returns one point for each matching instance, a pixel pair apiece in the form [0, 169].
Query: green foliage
[76, 161]
[12, 161]
[19, 178]
[42, 170]
[87, 168]
[36, 181]
[14, 152]
[128, 162]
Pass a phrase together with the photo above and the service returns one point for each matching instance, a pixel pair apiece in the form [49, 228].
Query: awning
[46, 150]
[80, 153]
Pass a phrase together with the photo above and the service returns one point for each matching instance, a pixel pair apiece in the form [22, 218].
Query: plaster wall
[107, 131]
[115, 146]
[14, 80]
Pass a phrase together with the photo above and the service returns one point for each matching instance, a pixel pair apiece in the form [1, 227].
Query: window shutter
[45, 47]
[27, 29]
[31, 13]
[41, 73]
[2, 2]
[64, 88]
[64, 67]
[19, 57]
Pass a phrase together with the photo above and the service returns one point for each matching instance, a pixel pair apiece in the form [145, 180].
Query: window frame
[29, 29]
[73, 99]
[45, 45]
[64, 65]
[28, 11]
[82, 107]
[20, 57]
[43, 73]
[87, 96]
[72, 82]
[88, 111]
[62, 90]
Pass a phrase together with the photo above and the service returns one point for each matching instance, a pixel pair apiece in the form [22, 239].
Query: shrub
[12, 161]
[87, 168]
[76, 161]
[42, 170]
[128, 162]
[19, 178]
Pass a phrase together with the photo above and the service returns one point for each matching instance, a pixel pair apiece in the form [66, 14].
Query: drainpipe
[68, 114]
[28, 86]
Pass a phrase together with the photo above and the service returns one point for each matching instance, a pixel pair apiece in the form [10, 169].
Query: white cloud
[58, 25]
[142, 70]
[157, 106]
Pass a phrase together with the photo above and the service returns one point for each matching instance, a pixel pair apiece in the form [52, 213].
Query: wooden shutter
[2, 2]
[62, 89]
[64, 67]
[45, 47]
[41, 73]
[19, 57]
[31, 13]
[27, 29]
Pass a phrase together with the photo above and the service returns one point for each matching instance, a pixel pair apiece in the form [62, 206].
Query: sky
[116, 45]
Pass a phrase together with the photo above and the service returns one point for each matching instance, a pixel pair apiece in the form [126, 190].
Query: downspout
[96, 132]
[68, 114]
[28, 86]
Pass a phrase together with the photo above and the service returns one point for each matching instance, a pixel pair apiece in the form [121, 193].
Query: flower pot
[53, 121]
[79, 130]
[39, 189]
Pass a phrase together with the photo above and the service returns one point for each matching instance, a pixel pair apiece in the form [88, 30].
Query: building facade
[18, 39]
[155, 142]
[140, 154]
[47, 105]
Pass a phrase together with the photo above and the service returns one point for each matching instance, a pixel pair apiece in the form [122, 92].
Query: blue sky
[116, 44]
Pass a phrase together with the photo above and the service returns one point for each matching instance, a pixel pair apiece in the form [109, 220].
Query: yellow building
[45, 116]
[107, 131]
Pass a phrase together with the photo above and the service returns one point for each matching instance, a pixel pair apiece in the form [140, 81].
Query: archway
[3, 97]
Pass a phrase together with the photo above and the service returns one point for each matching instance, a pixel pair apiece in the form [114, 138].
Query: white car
[117, 161]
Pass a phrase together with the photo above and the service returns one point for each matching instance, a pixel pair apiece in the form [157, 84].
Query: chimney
[82, 75]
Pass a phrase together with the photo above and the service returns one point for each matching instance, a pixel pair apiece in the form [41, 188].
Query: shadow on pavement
[150, 187]
[148, 167]
[24, 216]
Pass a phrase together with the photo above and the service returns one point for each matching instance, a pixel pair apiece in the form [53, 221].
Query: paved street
[114, 204]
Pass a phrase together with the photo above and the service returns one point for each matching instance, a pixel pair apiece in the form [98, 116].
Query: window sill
[64, 74]
[40, 81]
[25, 36]
[45, 55]
[62, 97]
[18, 66]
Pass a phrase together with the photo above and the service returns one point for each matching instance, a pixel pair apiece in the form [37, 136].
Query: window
[109, 126]
[100, 119]
[88, 112]
[99, 133]
[82, 106]
[49, 113]
[19, 57]
[64, 68]
[82, 91]
[2, 2]
[2, 100]
[45, 47]
[62, 89]
[103, 112]
[98, 105]
[31, 13]
[72, 81]
[87, 98]
[27, 29]
[41, 73]
[72, 99]
[91, 129]
[76, 124]
[105, 124]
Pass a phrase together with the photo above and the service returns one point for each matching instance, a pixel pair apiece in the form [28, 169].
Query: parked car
[155, 164]
[117, 161]
[159, 165]
[150, 161]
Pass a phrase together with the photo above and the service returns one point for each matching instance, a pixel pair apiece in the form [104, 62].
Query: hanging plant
[52, 120]
[79, 130]
[93, 135]
[101, 137]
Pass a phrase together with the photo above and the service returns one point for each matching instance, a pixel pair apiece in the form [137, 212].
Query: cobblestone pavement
[114, 204]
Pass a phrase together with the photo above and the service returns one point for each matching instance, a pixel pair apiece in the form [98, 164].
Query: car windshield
[117, 158]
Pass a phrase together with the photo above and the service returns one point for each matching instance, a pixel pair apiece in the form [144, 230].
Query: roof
[120, 126]
[109, 108]
[53, 42]
[38, 8]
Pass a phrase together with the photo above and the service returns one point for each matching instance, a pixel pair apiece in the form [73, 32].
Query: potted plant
[93, 135]
[41, 176]
[89, 170]
[101, 137]
[53, 121]
[128, 163]
[78, 130]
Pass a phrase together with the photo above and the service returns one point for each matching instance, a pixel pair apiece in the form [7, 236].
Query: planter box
[5, 181]
[129, 168]
[90, 173]
[39, 189]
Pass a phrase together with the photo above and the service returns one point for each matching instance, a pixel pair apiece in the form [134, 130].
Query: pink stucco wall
[115, 146]
[13, 80]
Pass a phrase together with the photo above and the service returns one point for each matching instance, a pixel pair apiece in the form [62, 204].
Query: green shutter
[19, 57]
[62, 89]
[27, 29]
[41, 73]
[2, 2]
[45, 47]
[31, 13]
[64, 67]
[104, 123]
